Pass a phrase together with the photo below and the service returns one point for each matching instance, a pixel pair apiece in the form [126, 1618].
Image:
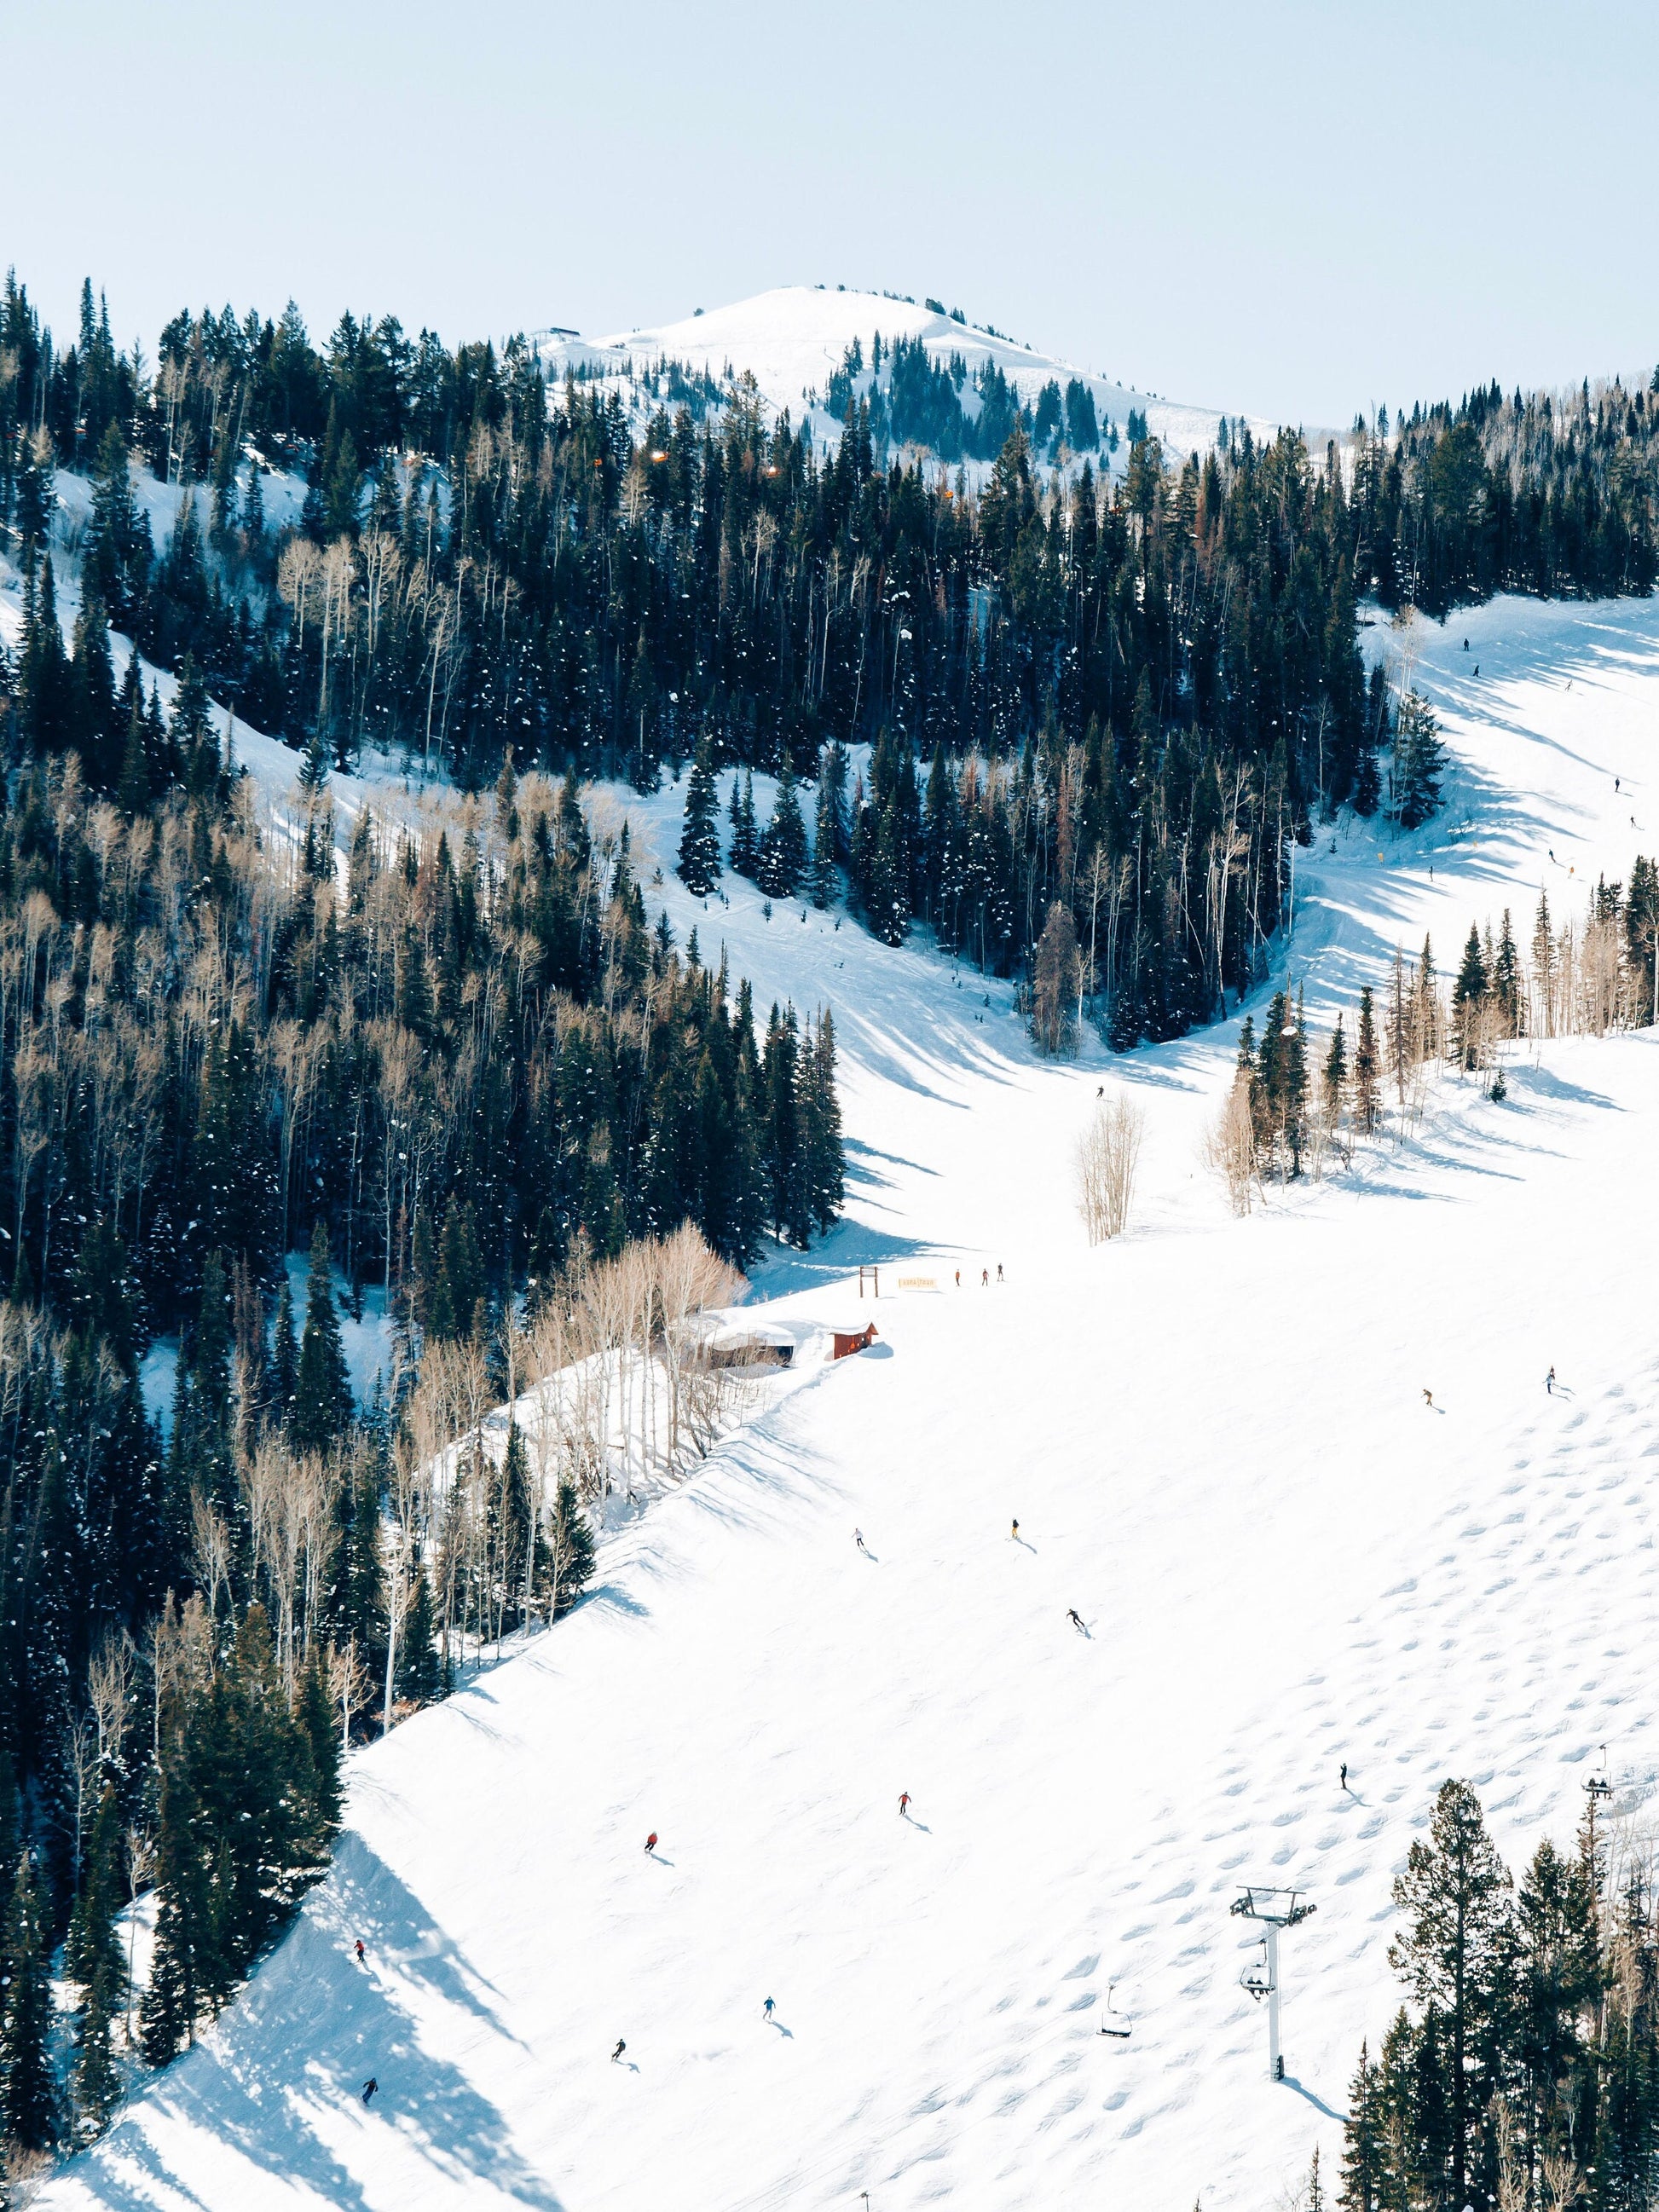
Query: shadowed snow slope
[1214, 1437]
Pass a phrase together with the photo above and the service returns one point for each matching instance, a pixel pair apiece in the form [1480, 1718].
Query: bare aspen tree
[349, 1686]
[109, 1689]
[210, 1552]
[1108, 1154]
[1229, 1147]
[86, 1779]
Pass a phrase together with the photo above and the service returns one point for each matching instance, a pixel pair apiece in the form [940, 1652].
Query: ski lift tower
[1597, 1790]
[1274, 1909]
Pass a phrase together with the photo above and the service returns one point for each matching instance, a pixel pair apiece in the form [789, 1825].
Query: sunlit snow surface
[792, 340]
[1215, 1440]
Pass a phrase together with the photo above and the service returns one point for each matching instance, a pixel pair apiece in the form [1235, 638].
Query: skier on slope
[766, 2008]
[617, 2052]
[1075, 1620]
[904, 1805]
[651, 1842]
[1013, 1534]
[1345, 1774]
[370, 2087]
[1549, 1382]
[858, 1538]
[1428, 1400]
[359, 1948]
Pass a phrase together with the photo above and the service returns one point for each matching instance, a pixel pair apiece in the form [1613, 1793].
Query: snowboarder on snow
[1075, 1620]
[651, 1842]
[359, 1947]
[904, 1805]
[617, 2052]
[766, 2008]
[369, 2088]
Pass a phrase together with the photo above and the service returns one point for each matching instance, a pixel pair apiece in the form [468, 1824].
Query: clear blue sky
[1296, 210]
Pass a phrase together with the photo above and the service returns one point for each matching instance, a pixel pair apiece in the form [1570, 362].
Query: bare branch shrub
[1107, 1153]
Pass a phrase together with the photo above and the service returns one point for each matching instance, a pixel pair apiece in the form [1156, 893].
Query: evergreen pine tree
[1468, 996]
[96, 2079]
[699, 864]
[1455, 1895]
[284, 1355]
[1367, 1101]
[1419, 761]
[92, 1945]
[745, 844]
[316, 1765]
[572, 1548]
[825, 880]
[322, 1391]
[356, 1594]
[29, 2101]
[1365, 2170]
[1333, 1079]
[781, 864]
[314, 766]
[417, 1678]
[1504, 980]
[94, 1957]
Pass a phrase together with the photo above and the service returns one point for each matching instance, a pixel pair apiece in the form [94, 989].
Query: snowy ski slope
[1214, 1438]
[794, 338]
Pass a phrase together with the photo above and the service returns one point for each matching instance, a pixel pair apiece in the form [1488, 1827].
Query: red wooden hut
[854, 1340]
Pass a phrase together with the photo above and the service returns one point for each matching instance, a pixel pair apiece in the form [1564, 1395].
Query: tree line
[1524, 2070]
[1124, 694]
[1293, 1101]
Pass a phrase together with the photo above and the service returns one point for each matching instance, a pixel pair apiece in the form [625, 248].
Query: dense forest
[1126, 694]
[443, 1048]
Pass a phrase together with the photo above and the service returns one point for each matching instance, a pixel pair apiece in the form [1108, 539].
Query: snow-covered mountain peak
[796, 340]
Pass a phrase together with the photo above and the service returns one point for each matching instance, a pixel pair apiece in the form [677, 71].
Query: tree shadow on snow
[849, 1246]
[289, 2058]
[620, 1599]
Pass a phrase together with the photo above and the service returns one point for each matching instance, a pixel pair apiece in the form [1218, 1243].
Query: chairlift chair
[1255, 1978]
[1115, 2022]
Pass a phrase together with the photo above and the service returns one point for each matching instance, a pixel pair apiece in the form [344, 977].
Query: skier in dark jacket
[370, 2086]
[617, 2052]
[1075, 1620]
